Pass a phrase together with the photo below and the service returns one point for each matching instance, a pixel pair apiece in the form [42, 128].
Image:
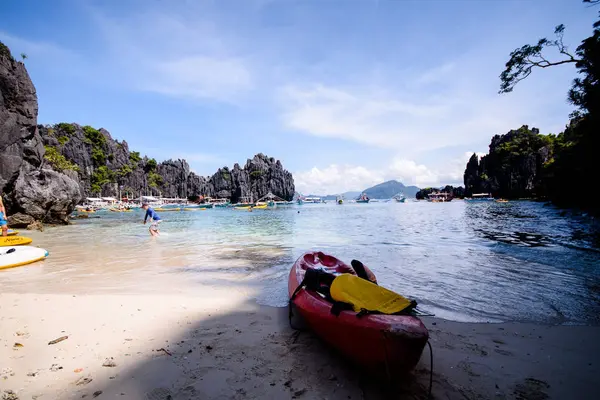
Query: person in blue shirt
[154, 219]
[3, 218]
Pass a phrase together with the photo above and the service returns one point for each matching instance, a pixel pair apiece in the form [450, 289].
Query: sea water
[482, 261]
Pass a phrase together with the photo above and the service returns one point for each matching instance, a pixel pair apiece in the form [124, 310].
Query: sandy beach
[221, 346]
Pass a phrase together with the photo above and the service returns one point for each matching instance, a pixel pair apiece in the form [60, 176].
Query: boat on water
[480, 197]
[439, 197]
[501, 201]
[309, 200]
[383, 343]
[339, 200]
[399, 198]
[284, 203]
[220, 203]
[273, 201]
[363, 198]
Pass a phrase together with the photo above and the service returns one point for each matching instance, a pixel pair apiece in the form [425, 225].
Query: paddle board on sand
[12, 232]
[11, 257]
[14, 240]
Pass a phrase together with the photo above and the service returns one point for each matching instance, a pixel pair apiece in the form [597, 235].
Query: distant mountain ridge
[389, 189]
[384, 190]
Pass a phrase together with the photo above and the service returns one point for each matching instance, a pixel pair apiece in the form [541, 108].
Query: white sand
[254, 354]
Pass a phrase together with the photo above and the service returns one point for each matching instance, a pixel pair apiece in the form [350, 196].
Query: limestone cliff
[104, 166]
[29, 187]
[514, 166]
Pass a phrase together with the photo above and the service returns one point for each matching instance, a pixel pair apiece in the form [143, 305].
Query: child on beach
[3, 219]
[154, 219]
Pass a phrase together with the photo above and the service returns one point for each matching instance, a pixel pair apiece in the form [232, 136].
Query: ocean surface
[486, 261]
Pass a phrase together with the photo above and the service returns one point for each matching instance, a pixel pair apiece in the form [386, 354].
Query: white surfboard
[11, 257]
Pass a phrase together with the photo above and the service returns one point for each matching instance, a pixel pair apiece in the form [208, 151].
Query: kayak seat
[366, 297]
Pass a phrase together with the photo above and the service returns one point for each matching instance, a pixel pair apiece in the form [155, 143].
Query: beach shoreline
[219, 345]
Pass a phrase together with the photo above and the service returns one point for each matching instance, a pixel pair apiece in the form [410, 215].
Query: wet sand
[220, 345]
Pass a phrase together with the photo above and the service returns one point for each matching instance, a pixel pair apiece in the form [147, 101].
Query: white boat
[439, 197]
[310, 200]
[400, 198]
[480, 197]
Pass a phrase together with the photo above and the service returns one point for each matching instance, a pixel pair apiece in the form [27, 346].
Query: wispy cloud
[173, 53]
[341, 178]
[409, 121]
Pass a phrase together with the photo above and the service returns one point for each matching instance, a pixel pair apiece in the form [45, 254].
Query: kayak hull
[387, 344]
[14, 240]
[21, 255]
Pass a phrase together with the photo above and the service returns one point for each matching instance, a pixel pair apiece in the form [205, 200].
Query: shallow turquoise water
[520, 261]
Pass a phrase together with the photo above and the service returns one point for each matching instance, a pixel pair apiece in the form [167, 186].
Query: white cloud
[200, 77]
[403, 122]
[335, 179]
[176, 53]
[342, 178]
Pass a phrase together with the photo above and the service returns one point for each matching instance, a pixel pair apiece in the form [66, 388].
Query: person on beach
[154, 219]
[3, 219]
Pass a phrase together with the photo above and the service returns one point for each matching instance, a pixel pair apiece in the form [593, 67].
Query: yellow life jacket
[365, 295]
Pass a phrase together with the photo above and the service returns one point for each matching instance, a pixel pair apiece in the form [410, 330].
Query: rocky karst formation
[514, 167]
[106, 167]
[46, 170]
[30, 188]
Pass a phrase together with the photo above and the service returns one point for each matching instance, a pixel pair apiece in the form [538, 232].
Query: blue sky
[346, 93]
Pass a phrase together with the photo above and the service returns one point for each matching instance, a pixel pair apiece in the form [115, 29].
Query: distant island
[389, 189]
[384, 190]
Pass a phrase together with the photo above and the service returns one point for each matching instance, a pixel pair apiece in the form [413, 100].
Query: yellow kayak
[167, 209]
[117, 210]
[260, 207]
[195, 209]
[14, 240]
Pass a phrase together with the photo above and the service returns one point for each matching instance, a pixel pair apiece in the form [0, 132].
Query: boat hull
[380, 343]
[362, 201]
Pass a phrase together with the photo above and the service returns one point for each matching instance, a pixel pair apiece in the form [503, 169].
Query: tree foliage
[58, 161]
[574, 152]
[150, 165]
[154, 180]
[524, 59]
[134, 157]
[65, 127]
[101, 176]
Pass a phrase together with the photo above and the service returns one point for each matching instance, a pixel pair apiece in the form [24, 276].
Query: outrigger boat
[480, 197]
[363, 198]
[399, 198]
[439, 197]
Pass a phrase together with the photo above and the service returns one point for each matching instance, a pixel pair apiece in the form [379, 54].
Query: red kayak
[385, 343]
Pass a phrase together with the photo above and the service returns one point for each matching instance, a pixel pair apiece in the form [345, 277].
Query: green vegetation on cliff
[515, 166]
[58, 161]
[101, 176]
[572, 154]
[67, 128]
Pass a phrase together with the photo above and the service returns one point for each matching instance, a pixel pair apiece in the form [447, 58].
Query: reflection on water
[465, 261]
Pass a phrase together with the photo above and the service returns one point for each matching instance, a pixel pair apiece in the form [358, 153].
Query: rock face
[27, 183]
[514, 167]
[104, 167]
